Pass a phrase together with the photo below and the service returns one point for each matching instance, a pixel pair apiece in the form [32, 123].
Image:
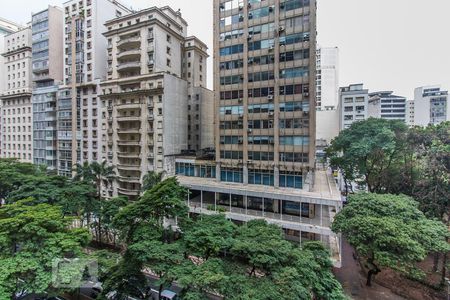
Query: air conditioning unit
[222, 6]
[241, 7]
[271, 114]
[250, 130]
[249, 37]
[271, 48]
[306, 94]
[250, 161]
[240, 141]
[240, 100]
[270, 97]
[281, 29]
[241, 116]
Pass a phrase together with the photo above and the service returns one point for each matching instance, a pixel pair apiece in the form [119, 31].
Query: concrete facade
[6, 27]
[327, 127]
[327, 78]
[79, 122]
[47, 68]
[153, 99]
[431, 105]
[386, 105]
[264, 82]
[354, 102]
[16, 99]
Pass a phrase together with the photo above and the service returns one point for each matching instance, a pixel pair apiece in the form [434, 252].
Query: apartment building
[327, 78]
[386, 105]
[79, 120]
[354, 101]
[47, 74]
[16, 99]
[154, 102]
[265, 86]
[6, 27]
[410, 112]
[431, 105]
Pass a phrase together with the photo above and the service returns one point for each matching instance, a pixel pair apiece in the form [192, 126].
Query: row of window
[261, 177]
[265, 75]
[265, 91]
[294, 157]
[265, 140]
[256, 45]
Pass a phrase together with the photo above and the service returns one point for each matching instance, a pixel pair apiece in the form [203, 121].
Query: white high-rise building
[431, 105]
[6, 27]
[85, 65]
[327, 78]
[410, 112]
[16, 99]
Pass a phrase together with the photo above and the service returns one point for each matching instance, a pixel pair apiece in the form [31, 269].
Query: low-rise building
[354, 101]
[386, 105]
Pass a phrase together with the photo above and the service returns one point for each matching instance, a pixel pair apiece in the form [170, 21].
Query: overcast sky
[386, 44]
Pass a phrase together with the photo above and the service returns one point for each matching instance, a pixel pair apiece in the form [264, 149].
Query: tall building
[354, 101]
[410, 112]
[16, 99]
[265, 86]
[47, 28]
[431, 105]
[327, 78]
[386, 105]
[154, 102]
[79, 120]
[6, 27]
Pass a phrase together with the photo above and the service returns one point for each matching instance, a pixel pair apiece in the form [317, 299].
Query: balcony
[130, 53]
[128, 130]
[128, 143]
[127, 167]
[128, 118]
[128, 106]
[129, 41]
[132, 65]
[127, 192]
[129, 179]
[129, 154]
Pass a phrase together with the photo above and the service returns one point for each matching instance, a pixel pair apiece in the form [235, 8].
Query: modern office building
[85, 65]
[386, 105]
[16, 99]
[154, 102]
[265, 84]
[47, 68]
[354, 101]
[327, 78]
[431, 105]
[6, 27]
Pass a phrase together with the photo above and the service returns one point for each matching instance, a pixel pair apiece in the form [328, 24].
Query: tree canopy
[389, 231]
[31, 237]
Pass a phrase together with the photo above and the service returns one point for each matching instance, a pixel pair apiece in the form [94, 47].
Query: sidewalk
[354, 283]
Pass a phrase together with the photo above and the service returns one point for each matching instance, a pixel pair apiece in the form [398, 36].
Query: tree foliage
[371, 151]
[389, 231]
[31, 237]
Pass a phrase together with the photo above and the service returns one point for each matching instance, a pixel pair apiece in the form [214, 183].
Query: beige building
[6, 27]
[153, 99]
[16, 99]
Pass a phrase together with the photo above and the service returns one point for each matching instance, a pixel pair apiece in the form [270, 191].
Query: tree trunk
[444, 269]
[160, 291]
[435, 261]
[370, 274]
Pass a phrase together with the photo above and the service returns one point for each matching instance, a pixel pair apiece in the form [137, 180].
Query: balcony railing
[135, 39]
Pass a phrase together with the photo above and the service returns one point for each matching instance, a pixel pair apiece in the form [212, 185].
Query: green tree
[389, 231]
[372, 151]
[432, 189]
[209, 235]
[31, 237]
[151, 179]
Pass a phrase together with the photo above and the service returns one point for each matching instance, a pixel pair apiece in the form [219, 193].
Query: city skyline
[383, 57]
